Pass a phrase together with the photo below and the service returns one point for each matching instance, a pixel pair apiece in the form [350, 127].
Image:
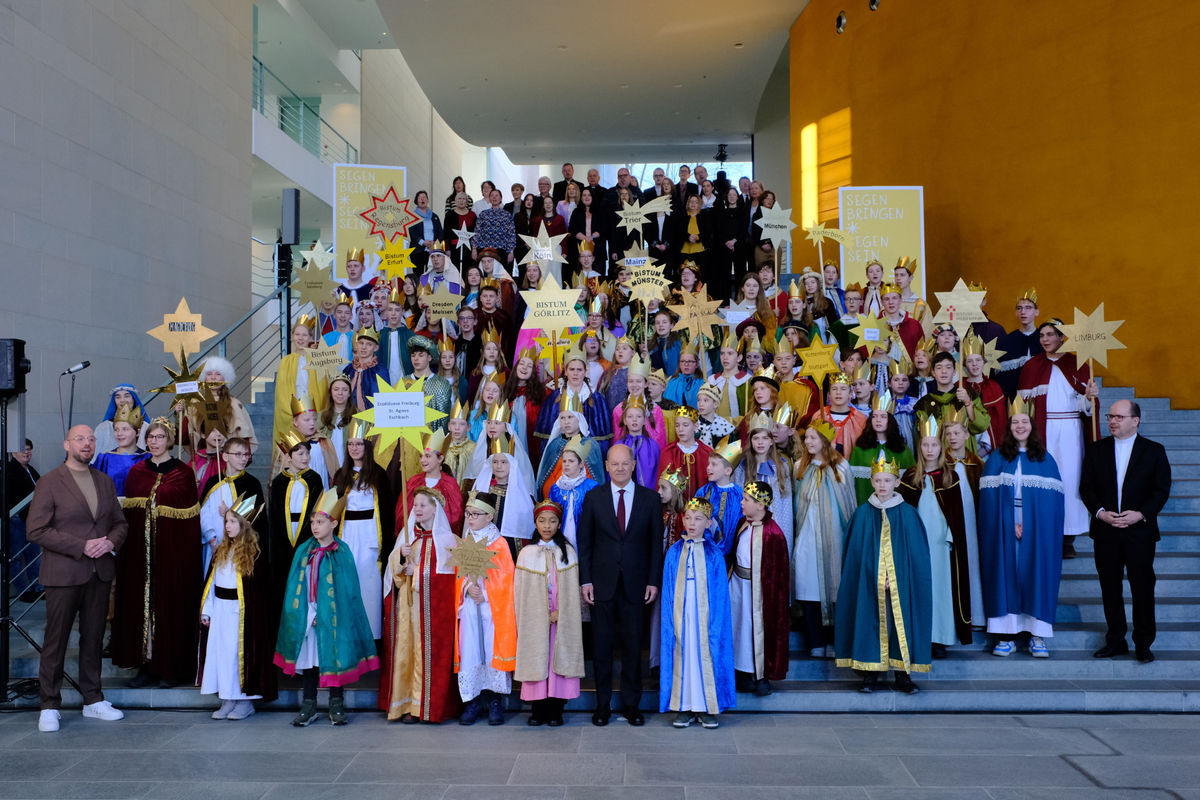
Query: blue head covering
[112, 403]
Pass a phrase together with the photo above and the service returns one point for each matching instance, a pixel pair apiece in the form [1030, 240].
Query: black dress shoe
[904, 683]
[938, 650]
[1068, 547]
[141, 680]
[1144, 655]
[601, 718]
[634, 717]
[1110, 650]
[762, 688]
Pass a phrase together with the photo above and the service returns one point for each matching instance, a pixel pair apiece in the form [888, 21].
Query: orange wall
[1057, 144]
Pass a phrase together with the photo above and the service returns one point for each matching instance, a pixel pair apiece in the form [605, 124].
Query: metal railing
[297, 117]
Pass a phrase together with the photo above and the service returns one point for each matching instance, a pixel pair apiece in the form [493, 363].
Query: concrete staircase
[971, 679]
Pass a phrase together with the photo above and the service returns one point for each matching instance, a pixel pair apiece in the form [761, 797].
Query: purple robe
[645, 459]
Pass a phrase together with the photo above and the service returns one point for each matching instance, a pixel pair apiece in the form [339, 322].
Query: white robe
[1064, 441]
[221, 674]
[362, 537]
[741, 606]
[937, 532]
[692, 688]
[212, 520]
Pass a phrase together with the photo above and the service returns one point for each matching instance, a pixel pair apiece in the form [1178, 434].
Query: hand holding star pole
[1090, 337]
[550, 309]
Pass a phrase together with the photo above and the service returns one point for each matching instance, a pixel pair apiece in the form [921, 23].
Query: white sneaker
[48, 721]
[103, 710]
[223, 711]
[816, 652]
[241, 710]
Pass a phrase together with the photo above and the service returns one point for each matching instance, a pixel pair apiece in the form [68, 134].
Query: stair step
[1169, 584]
[1164, 562]
[971, 663]
[1072, 608]
[1178, 521]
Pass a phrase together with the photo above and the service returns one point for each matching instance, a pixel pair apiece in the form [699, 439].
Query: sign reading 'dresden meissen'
[399, 409]
[884, 224]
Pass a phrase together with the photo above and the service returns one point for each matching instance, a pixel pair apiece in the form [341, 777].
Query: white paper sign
[187, 387]
[871, 334]
[640, 261]
[735, 318]
[400, 410]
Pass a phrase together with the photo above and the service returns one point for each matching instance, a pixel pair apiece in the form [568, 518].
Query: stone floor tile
[968, 741]
[38, 765]
[69, 790]
[1078, 794]
[815, 740]
[1136, 772]
[776, 793]
[1146, 741]
[624, 793]
[455, 766]
[926, 793]
[760, 770]
[205, 790]
[504, 793]
[357, 791]
[94, 734]
[943, 720]
[990, 770]
[562, 769]
[210, 766]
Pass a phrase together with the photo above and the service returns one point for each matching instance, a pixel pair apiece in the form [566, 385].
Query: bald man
[620, 535]
[77, 521]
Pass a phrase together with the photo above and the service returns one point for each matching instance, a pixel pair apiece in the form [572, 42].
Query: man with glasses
[1125, 482]
[76, 519]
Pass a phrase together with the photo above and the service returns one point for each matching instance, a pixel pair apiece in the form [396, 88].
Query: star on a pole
[817, 233]
[992, 355]
[646, 281]
[776, 224]
[400, 411]
[871, 332]
[960, 307]
[818, 360]
[1090, 336]
[318, 256]
[554, 353]
[462, 237]
[313, 284]
[394, 259]
[185, 382]
[632, 216]
[551, 307]
[441, 304]
[325, 359]
[544, 248]
[697, 315]
[471, 558]
[389, 215]
[182, 330]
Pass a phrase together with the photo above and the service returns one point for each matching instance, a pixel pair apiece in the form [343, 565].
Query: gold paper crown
[500, 445]
[460, 411]
[290, 440]
[625, 340]
[435, 441]
[166, 423]
[357, 429]
[596, 306]
[676, 478]
[436, 246]
[299, 406]
[1029, 294]
[884, 464]
[499, 412]
[548, 505]
[794, 290]
[635, 401]
[972, 345]
[699, 504]
[784, 414]
[766, 374]
[827, 431]
[730, 341]
[569, 402]
[574, 354]
[587, 247]
[862, 372]
[1020, 405]
[344, 299]
[901, 366]
[928, 344]
[882, 402]
[579, 446]
[306, 321]
[729, 449]
[976, 286]
[751, 346]
[658, 375]
[529, 352]
[840, 378]
[367, 333]
[904, 262]
[132, 415]
[928, 425]
[691, 348]
[639, 367]
[855, 287]
[246, 506]
[759, 422]
[758, 491]
[889, 288]
[490, 334]
[356, 254]
[395, 295]
[784, 346]
[490, 282]
[330, 504]
[709, 391]
[687, 412]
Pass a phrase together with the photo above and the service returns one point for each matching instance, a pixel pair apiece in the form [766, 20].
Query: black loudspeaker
[14, 366]
[290, 217]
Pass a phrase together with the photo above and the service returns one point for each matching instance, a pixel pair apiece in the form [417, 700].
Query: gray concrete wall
[772, 134]
[125, 173]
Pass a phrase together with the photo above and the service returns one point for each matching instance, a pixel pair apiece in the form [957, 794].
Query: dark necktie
[621, 510]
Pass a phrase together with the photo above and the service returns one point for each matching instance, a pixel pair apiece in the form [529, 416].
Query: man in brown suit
[76, 519]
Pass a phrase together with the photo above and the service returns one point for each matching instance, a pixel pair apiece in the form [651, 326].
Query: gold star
[313, 284]
[185, 382]
[394, 259]
[818, 360]
[182, 330]
[991, 356]
[697, 315]
[442, 304]
[871, 332]
[553, 354]
[318, 257]
[325, 359]
[818, 233]
[551, 307]
[776, 224]
[634, 215]
[543, 248]
[400, 411]
[471, 558]
[961, 307]
[646, 281]
[1090, 337]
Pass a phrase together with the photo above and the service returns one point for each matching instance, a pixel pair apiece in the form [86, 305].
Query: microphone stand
[70, 404]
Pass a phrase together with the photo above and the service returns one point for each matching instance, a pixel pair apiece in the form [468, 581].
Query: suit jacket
[605, 555]
[1146, 488]
[560, 189]
[61, 523]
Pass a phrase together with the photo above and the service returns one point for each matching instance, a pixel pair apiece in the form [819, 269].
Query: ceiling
[546, 81]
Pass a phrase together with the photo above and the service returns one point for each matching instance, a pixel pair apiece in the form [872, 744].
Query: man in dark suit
[560, 188]
[1125, 482]
[76, 519]
[620, 533]
[593, 183]
[683, 189]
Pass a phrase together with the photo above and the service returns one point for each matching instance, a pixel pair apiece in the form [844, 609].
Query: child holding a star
[485, 635]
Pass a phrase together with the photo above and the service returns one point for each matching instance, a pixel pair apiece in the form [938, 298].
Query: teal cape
[859, 637]
[345, 647]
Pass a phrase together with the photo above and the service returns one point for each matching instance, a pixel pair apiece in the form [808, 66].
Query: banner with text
[884, 224]
[354, 187]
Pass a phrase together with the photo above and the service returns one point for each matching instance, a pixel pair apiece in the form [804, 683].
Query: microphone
[80, 367]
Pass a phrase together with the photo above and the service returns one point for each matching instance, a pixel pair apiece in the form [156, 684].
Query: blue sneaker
[1037, 647]
[1004, 649]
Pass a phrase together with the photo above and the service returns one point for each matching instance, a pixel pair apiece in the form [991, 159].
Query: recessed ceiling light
[627, 113]
[678, 86]
[738, 45]
[383, 34]
[623, 86]
[562, 47]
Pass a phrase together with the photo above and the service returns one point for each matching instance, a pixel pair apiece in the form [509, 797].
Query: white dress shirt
[1122, 449]
[616, 498]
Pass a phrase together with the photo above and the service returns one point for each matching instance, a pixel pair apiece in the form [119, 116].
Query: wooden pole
[1095, 405]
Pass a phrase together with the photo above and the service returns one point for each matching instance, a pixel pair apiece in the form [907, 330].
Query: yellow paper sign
[354, 185]
[884, 224]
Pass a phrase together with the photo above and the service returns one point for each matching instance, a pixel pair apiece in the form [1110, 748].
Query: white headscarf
[479, 456]
[583, 426]
[518, 499]
[443, 541]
